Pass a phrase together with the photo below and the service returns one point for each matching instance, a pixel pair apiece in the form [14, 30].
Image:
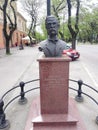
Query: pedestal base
[54, 120]
[70, 121]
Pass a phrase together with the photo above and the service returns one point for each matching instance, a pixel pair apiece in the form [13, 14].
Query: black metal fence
[4, 123]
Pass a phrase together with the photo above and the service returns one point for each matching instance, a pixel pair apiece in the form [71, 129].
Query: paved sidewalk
[3, 51]
[22, 65]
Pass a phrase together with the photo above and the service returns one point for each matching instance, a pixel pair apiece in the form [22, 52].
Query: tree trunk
[8, 21]
[61, 34]
[73, 30]
[74, 43]
[7, 46]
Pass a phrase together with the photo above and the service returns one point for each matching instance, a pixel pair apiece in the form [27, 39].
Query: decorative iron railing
[4, 123]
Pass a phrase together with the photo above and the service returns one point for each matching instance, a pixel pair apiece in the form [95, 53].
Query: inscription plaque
[54, 75]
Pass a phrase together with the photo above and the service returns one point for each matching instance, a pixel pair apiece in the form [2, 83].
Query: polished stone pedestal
[53, 110]
[54, 75]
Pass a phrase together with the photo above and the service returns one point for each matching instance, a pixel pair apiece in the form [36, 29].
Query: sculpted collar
[53, 39]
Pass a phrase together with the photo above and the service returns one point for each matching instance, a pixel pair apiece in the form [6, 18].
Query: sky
[19, 5]
[21, 10]
[25, 15]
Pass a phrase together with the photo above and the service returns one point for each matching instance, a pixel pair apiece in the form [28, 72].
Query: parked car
[72, 53]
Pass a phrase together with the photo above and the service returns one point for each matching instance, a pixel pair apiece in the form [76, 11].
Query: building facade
[19, 33]
[1, 31]
[21, 30]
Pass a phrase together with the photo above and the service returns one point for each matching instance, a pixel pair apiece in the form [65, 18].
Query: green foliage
[89, 25]
[88, 22]
[58, 8]
[44, 28]
[39, 36]
[65, 30]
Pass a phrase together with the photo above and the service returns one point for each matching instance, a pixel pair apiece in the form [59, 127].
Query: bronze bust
[52, 47]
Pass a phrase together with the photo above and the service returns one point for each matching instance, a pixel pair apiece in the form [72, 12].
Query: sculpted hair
[51, 17]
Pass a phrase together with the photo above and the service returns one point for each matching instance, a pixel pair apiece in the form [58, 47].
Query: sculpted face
[52, 25]
[52, 47]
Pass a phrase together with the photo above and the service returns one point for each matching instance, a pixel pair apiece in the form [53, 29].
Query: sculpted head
[53, 46]
[52, 25]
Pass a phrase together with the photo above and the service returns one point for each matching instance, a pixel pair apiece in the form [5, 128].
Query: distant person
[53, 46]
[21, 46]
[16, 44]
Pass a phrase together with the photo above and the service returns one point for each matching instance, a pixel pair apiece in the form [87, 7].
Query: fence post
[79, 97]
[22, 99]
[3, 122]
[97, 120]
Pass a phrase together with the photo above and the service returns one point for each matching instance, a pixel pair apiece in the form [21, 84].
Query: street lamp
[48, 7]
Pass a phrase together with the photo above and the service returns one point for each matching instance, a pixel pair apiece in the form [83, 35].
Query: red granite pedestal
[53, 110]
[54, 75]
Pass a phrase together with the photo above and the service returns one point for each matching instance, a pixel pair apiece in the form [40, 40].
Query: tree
[9, 25]
[31, 7]
[43, 28]
[73, 28]
[88, 25]
[58, 7]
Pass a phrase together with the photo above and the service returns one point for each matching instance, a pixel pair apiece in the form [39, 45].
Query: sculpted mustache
[52, 29]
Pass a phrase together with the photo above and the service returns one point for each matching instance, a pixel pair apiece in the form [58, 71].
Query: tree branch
[5, 19]
[57, 8]
[15, 18]
[77, 16]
